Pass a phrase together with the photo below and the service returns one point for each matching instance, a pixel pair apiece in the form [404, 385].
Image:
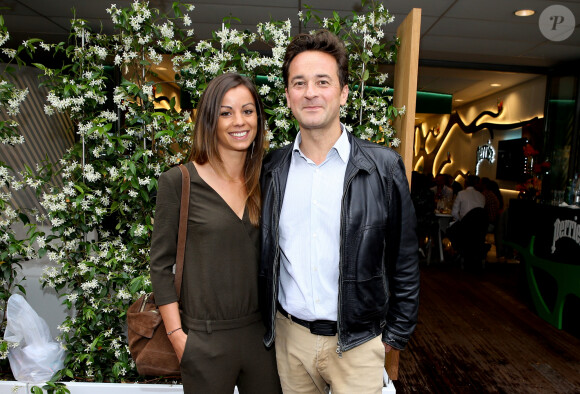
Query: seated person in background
[467, 233]
[492, 208]
[494, 188]
[467, 199]
[501, 250]
[441, 190]
[453, 184]
[424, 204]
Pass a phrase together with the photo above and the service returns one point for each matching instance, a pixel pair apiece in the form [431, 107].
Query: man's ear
[287, 100]
[344, 95]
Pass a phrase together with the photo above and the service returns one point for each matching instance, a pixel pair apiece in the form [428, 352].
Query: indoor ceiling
[465, 44]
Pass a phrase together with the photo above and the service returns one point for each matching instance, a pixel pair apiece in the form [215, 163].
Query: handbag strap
[182, 234]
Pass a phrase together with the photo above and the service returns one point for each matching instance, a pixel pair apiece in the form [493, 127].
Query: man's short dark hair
[323, 41]
[471, 180]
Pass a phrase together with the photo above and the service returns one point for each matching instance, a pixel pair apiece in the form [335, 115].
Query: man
[467, 199]
[339, 277]
[492, 205]
[467, 232]
[441, 191]
[443, 194]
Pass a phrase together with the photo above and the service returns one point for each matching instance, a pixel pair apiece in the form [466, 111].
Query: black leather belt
[317, 327]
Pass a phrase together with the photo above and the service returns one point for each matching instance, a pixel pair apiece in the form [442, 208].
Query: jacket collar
[358, 157]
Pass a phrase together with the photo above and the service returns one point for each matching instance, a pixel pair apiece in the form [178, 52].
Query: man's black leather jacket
[379, 270]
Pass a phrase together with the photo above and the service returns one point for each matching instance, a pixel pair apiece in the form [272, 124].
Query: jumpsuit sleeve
[164, 240]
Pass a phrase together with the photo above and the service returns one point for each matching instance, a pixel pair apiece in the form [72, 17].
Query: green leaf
[176, 9]
[36, 390]
[136, 284]
[23, 218]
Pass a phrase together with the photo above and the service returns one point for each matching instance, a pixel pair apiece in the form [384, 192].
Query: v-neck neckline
[219, 195]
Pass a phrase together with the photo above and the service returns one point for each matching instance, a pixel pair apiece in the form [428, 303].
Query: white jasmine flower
[148, 90]
[4, 37]
[41, 241]
[9, 52]
[124, 295]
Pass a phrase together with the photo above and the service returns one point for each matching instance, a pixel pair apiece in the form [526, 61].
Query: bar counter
[556, 230]
[548, 241]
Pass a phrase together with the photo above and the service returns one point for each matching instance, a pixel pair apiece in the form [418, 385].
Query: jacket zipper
[340, 264]
[275, 211]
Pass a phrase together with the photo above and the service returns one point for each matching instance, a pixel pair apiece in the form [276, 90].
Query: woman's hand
[172, 321]
[178, 340]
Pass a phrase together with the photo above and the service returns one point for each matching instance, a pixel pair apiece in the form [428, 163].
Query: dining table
[444, 219]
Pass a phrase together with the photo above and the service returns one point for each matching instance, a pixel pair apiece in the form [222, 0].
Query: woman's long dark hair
[205, 142]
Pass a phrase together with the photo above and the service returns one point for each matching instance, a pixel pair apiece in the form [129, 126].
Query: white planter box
[97, 388]
[11, 387]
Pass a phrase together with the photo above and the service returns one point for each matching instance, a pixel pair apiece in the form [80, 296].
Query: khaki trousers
[308, 363]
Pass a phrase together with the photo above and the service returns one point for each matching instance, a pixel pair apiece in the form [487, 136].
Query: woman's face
[238, 120]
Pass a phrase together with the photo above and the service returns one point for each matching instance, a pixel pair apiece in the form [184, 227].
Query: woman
[218, 334]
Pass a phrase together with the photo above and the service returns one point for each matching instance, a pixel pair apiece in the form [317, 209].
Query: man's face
[314, 94]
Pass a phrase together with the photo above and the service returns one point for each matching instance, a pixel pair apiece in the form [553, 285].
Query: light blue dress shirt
[310, 233]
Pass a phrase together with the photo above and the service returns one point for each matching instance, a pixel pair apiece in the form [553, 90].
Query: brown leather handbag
[149, 344]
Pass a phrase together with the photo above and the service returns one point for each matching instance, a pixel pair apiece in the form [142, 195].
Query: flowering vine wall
[102, 214]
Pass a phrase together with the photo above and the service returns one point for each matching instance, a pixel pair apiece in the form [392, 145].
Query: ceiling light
[495, 85]
[524, 12]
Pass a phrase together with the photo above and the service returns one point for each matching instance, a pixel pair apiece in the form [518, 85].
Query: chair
[566, 277]
[468, 238]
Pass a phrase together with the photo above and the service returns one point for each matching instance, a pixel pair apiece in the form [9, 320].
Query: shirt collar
[341, 146]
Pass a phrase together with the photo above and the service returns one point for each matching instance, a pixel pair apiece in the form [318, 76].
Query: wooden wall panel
[405, 94]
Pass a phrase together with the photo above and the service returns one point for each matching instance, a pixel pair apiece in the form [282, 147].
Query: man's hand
[392, 361]
[387, 347]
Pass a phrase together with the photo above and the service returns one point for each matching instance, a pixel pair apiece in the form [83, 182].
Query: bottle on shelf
[571, 190]
[577, 191]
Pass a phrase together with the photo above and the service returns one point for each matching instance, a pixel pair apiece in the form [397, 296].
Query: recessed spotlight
[495, 85]
[524, 12]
